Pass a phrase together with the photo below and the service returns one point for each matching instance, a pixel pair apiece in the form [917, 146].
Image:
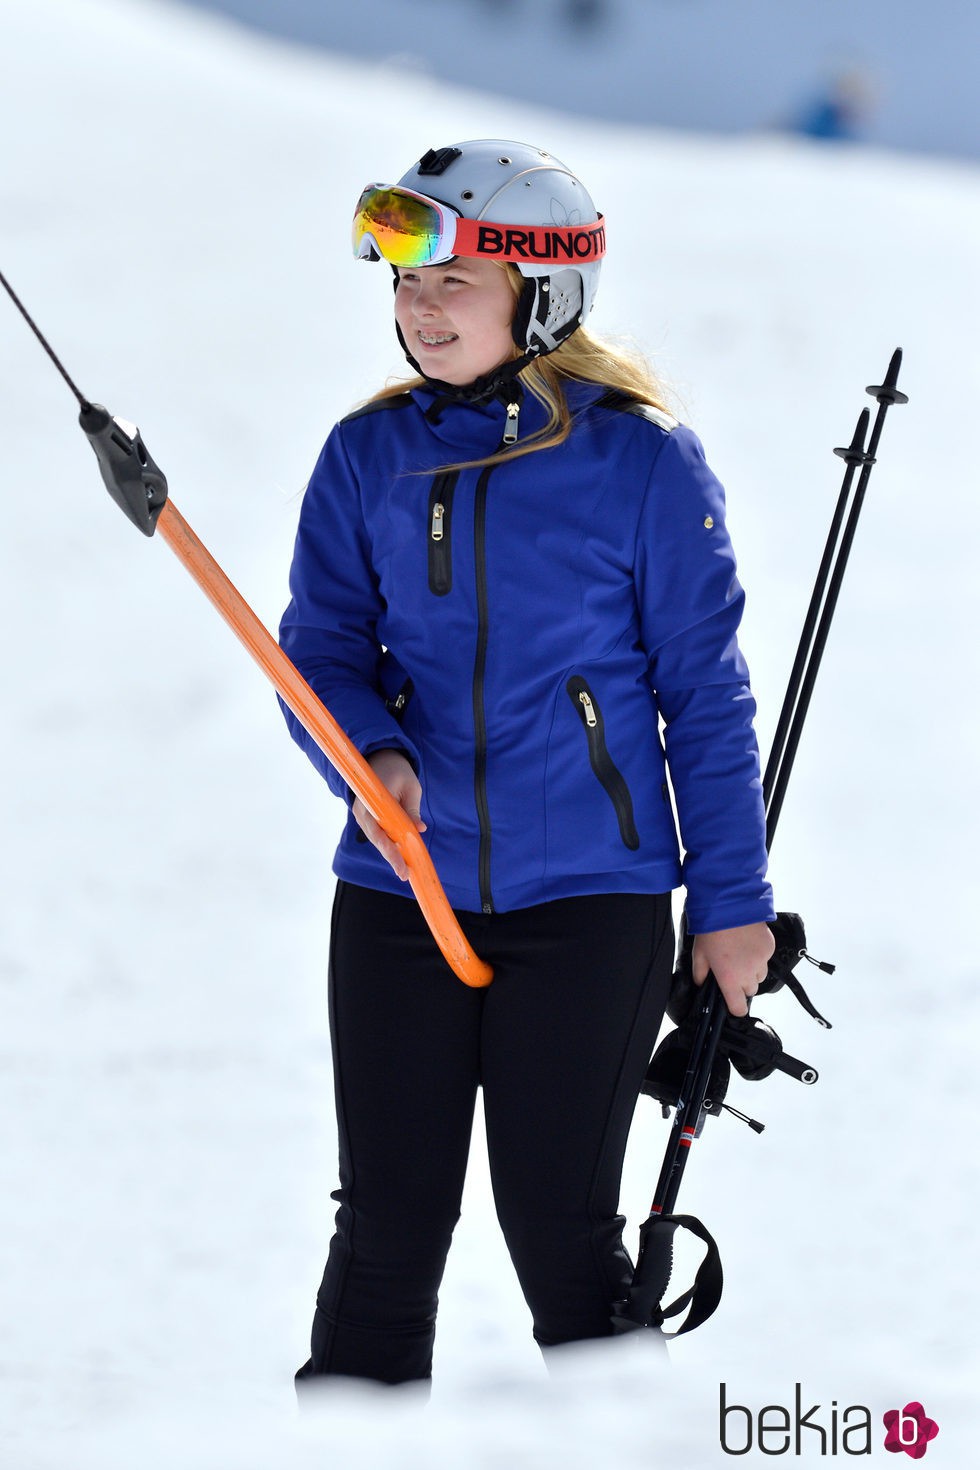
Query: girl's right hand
[395, 771]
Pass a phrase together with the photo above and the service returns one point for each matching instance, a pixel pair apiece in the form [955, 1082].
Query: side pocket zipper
[607, 772]
[439, 539]
[396, 705]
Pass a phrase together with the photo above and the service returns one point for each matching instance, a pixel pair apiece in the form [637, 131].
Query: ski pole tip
[854, 453]
[887, 392]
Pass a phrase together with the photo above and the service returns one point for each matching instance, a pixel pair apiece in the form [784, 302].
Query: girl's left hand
[738, 959]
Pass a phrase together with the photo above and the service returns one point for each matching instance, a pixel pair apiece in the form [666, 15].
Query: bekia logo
[775, 1429]
[909, 1429]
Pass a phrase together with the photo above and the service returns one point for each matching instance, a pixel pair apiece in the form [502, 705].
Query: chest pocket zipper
[607, 772]
[439, 538]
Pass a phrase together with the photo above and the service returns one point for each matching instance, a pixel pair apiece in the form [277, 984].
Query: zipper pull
[588, 709]
[438, 512]
[510, 430]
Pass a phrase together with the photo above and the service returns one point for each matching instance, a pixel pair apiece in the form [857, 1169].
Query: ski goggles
[409, 229]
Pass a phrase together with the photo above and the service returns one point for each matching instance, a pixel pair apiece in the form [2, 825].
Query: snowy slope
[174, 199]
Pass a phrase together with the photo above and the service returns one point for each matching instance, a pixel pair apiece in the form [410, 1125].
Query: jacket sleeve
[329, 629]
[690, 608]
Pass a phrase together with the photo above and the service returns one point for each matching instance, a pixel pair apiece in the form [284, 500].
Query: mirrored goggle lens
[405, 228]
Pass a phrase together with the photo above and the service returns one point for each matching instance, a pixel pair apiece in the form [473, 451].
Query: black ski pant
[559, 1041]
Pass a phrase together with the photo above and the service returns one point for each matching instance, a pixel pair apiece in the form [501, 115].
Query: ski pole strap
[642, 1308]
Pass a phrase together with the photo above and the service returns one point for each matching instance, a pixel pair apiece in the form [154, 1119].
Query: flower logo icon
[909, 1429]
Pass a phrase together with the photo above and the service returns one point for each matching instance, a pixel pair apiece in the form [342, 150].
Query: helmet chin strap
[500, 382]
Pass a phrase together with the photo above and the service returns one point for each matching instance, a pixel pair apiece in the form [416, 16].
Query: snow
[174, 202]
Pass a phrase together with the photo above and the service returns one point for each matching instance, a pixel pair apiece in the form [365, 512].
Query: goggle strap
[554, 245]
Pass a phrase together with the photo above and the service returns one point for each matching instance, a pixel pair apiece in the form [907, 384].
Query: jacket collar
[477, 428]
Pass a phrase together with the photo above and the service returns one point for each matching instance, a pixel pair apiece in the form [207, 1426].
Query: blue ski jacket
[522, 631]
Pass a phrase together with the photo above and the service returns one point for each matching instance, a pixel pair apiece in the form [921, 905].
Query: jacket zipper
[440, 582]
[479, 676]
[439, 539]
[608, 773]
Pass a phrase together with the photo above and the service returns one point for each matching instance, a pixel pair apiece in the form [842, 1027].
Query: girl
[507, 573]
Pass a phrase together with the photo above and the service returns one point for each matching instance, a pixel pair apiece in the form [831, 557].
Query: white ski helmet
[529, 210]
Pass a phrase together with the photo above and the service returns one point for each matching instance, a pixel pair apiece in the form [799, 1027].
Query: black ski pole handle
[688, 1119]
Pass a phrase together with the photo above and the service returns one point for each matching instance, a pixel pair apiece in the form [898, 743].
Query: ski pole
[855, 456]
[799, 692]
[712, 1013]
[642, 1308]
[812, 645]
[139, 487]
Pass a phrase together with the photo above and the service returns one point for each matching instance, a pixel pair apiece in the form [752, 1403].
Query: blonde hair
[581, 358]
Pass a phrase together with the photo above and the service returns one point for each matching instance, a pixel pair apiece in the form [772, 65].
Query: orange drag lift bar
[139, 488]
